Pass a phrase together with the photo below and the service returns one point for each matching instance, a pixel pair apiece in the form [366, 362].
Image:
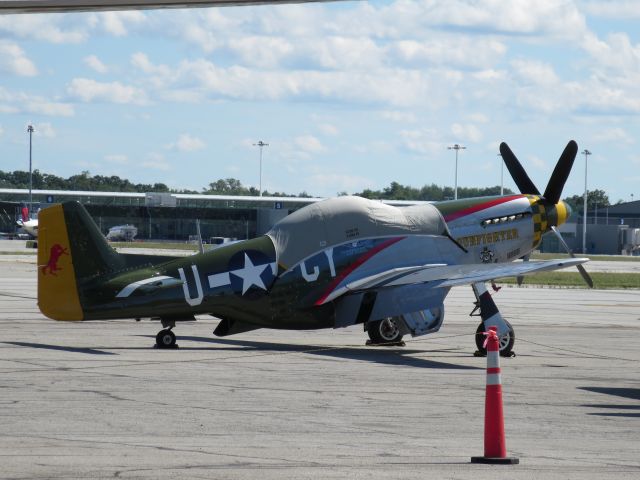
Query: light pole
[30, 130]
[501, 175]
[456, 147]
[260, 144]
[586, 154]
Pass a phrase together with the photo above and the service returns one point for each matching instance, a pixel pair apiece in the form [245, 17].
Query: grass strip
[604, 258]
[601, 280]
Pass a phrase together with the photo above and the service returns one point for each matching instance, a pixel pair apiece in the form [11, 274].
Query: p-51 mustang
[331, 264]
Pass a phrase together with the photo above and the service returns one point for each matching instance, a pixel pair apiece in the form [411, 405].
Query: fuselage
[294, 276]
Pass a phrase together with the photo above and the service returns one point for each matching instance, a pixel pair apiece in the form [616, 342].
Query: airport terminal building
[166, 216]
[173, 217]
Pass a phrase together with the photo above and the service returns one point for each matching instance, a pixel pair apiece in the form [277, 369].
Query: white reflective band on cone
[494, 379]
[493, 359]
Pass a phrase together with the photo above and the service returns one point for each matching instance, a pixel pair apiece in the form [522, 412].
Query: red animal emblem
[56, 252]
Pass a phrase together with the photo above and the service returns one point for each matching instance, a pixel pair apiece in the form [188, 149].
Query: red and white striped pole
[495, 447]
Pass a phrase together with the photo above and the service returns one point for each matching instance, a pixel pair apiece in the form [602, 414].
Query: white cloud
[342, 53]
[309, 144]
[466, 132]
[616, 52]
[261, 51]
[467, 52]
[116, 23]
[399, 116]
[187, 143]
[425, 141]
[338, 182]
[534, 72]
[614, 135]
[557, 18]
[94, 62]
[19, 102]
[156, 161]
[328, 129]
[44, 129]
[614, 9]
[1, 130]
[42, 106]
[478, 118]
[537, 162]
[375, 147]
[198, 80]
[13, 60]
[49, 28]
[87, 90]
[117, 158]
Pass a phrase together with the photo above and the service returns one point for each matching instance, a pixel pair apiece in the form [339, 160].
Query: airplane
[28, 224]
[332, 264]
[125, 233]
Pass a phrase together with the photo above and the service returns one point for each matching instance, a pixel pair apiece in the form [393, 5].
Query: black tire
[166, 339]
[506, 341]
[385, 331]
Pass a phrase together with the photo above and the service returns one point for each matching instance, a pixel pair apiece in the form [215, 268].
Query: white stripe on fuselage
[129, 289]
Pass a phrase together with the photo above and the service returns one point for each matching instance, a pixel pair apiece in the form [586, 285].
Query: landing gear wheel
[385, 332]
[506, 341]
[166, 339]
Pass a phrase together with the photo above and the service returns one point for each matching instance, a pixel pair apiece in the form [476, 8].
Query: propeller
[561, 173]
[587, 278]
[518, 173]
[554, 187]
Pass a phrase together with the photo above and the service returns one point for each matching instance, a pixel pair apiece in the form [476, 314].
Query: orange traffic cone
[495, 449]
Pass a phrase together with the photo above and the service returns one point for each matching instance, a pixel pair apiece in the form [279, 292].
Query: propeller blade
[587, 278]
[561, 173]
[518, 173]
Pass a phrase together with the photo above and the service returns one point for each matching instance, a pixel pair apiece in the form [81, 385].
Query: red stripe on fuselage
[350, 268]
[480, 206]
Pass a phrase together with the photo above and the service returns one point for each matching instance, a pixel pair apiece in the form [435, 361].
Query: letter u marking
[185, 287]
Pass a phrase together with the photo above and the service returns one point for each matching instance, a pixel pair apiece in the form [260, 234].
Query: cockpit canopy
[338, 220]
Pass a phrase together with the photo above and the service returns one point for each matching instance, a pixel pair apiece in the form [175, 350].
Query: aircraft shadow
[46, 346]
[631, 393]
[382, 355]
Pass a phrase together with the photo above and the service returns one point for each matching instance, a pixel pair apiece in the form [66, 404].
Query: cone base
[496, 460]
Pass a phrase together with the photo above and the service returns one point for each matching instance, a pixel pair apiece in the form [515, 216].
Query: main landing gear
[491, 316]
[386, 332]
[166, 339]
[506, 341]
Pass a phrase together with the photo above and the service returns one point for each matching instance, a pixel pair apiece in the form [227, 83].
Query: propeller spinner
[551, 196]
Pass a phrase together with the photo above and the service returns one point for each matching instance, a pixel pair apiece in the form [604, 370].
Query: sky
[348, 95]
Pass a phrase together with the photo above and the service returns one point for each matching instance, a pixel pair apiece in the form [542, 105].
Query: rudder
[71, 252]
[57, 286]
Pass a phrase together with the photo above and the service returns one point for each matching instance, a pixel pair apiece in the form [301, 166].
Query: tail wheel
[506, 341]
[385, 331]
[166, 339]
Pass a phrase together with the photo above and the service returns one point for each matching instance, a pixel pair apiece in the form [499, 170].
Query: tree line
[232, 186]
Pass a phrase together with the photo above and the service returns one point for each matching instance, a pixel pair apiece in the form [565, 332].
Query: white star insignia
[250, 274]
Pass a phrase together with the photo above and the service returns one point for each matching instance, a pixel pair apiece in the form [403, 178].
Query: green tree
[595, 199]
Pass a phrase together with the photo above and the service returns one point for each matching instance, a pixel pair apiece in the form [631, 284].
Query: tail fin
[71, 251]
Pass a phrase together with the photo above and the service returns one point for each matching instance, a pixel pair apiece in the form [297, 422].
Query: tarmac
[96, 400]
